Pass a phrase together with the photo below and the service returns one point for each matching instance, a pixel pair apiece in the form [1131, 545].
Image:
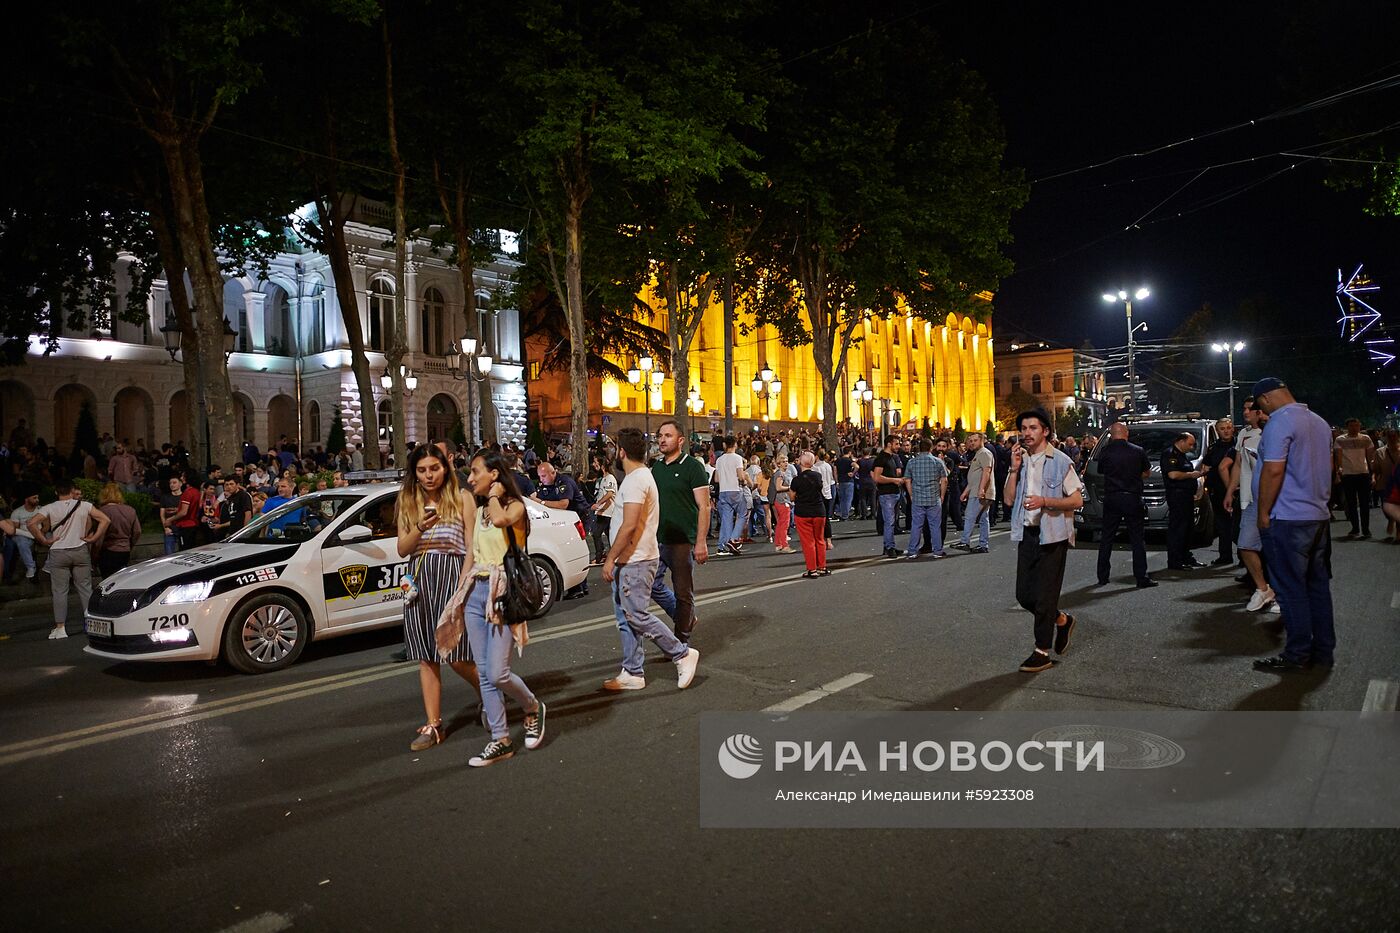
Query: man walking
[729, 475]
[977, 495]
[631, 568]
[1179, 478]
[845, 484]
[1042, 490]
[1219, 460]
[1242, 485]
[888, 474]
[64, 526]
[1355, 460]
[1292, 486]
[683, 492]
[1123, 465]
[927, 480]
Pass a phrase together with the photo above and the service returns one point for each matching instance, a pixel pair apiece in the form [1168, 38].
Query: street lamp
[645, 378]
[1123, 296]
[460, 364]
[862, 394]
[1229, 349]
[410, 380]
[696, 403]
[766, 385]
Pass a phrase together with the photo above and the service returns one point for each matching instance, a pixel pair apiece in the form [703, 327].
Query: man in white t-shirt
[66, 526]
[631, 568]
[729, 474]
[1241, 492]
[1354, 459]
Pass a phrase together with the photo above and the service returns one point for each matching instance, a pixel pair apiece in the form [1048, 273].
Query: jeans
[1040, 571]
[65, 564]
[888, 504]
[780, 525]
[172, 543]
[844, 492]
[632, 592]
[25, 546]
[1118, 508]
[930, 515]
[1300, 571]
[1356, 493]
[812, 531]
[677, 600]
[979, 516]
[730, 506]
[491, 646]
[757, 518]
[599, 536]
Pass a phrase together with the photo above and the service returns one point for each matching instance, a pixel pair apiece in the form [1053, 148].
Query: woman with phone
[434, 519]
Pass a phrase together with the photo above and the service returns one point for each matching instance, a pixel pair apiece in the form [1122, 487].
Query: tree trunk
[578, 337]
[458, 219]
[194, 235]
[398, 347]
[333, 238]
[677, 319]
[729, 354]
[173, 265]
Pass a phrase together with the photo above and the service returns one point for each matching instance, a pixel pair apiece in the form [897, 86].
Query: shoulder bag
[521, 596]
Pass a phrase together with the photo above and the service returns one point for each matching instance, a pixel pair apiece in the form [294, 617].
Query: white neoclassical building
[290, 369]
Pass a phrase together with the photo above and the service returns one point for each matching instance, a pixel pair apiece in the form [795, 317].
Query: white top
[1247, 444]
[728, 467]
[828, 476]
[71, 534]
[607, 483]
[1035, 485]
[21, 517]
[639, 487]
[1353, 451]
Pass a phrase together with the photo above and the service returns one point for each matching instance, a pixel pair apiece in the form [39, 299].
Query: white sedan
[321, 565]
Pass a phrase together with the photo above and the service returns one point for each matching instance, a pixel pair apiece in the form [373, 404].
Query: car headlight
[188, 593]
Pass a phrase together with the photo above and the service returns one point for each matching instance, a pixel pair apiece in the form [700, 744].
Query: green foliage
[1071, 421]
[959, 432]
[535, 439]
[457, 434]
[335, 443]
[1013, 404]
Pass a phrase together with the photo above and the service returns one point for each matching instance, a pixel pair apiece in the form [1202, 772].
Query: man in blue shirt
[1291, 486]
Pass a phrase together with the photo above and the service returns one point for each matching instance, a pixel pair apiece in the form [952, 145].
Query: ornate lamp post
[766, 385]
[646, 378]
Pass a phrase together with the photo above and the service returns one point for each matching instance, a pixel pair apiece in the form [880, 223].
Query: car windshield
[291, 520]
[1155, 439]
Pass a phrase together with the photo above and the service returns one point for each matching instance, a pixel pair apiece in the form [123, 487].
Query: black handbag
[523, 595]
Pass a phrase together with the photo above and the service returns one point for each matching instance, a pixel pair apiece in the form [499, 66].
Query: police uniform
[1122, 465]
[1181, 496]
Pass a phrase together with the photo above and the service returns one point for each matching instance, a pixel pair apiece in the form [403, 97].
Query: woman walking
[434, 519]
[807, 491]
[123, 531]
[604, 495]
[782, 502]
[1387, 463]
[500, 512]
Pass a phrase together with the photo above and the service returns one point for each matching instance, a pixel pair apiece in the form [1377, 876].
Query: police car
[320, 565]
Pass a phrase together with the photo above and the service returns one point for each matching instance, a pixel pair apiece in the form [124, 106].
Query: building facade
[916, 369]
[1058, 378]
[291, 366]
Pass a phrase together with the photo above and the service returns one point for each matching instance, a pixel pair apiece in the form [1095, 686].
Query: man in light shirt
[1354, 460]
[68, 526]
[729, 474]
[1241, 491]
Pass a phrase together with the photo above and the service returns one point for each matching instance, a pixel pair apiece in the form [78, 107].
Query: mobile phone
[430, 509]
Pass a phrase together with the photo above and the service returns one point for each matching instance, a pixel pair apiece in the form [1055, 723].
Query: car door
[360, 579]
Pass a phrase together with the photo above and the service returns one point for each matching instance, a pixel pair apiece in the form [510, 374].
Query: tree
[888, 192]
[1016, 401]
[335, 442]
[85, 438]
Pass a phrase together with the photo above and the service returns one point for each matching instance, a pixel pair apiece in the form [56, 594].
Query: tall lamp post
[461, 364]
[174, 343]
[863, 395]
[766, 385]
[645, 378]
[1229, 350]
[1127, 300]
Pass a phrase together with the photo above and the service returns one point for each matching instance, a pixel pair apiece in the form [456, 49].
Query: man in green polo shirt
[683, 485]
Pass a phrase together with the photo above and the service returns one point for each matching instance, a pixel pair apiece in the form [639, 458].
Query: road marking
[812, 696]
[263, 923]
[1382, 696]
[1395, 600]
[166, 719]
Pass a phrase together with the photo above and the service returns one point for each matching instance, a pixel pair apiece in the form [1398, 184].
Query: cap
[1268, 384]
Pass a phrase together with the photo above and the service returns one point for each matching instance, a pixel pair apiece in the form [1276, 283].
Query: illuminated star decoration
[1351, 289]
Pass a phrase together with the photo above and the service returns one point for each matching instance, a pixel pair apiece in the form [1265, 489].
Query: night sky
[1083, 83]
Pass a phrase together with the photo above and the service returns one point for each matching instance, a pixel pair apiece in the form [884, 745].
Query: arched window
[1058, 383]
[381, 314]
[1015, 383]
[313, 417]
[1035, 383]
[434, 313]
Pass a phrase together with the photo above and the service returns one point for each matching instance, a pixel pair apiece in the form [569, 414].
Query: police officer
[1180, 478]
[561, 491]
[1123, 465]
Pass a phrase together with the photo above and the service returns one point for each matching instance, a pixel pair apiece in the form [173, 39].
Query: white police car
[321, 565]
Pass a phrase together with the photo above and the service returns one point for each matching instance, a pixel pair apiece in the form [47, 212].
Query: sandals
[429, 734]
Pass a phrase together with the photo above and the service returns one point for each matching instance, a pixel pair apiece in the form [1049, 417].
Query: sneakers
[978, 550]
[961, 546]
[495, 750]
[1062, 634]
[1036, 663]
[685, 668]
[58, 632]
[534, 727]
[625, 681]
[1276, 609]
[1260, 599]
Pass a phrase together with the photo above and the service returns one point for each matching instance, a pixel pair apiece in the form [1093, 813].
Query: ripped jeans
[635, 620]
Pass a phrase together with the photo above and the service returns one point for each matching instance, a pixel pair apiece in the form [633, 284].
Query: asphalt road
[186, 797]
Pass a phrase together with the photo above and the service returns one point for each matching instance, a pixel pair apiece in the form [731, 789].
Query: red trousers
[812, 531]
[780, 537]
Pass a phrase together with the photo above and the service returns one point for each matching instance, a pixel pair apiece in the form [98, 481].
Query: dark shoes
[1146, 583]
[1036, 663]
[891, 552]
[1062, 634]
[1222, 562]
[1182, 566]
[1278, 664]
[978, 550]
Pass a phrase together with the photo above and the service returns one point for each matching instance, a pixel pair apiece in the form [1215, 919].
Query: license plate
[100, 627]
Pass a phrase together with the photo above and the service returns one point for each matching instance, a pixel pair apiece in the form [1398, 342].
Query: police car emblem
[354, 579]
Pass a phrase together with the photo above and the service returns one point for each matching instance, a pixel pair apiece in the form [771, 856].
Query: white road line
[263, 923]
[812, 696]
[1395, 600]
[1382, 696]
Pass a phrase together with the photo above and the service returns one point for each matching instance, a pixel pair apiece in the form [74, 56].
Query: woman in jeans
[782, 502]
[604, 494]
[500, 511]
[123, 531]
[434, 519]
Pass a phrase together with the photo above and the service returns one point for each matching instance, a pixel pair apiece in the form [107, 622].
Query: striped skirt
[437, 577]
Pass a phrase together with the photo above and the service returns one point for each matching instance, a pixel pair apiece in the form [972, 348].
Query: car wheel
[551, 585]
[265, 634]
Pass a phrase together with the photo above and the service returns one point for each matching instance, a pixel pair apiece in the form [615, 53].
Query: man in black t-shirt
[845, 484]
[1123, 466]
[888, 473]
[235, 511]
[1219, 458]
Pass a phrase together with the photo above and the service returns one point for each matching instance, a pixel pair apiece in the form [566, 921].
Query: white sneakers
[685, 668]
[1260, 599]
[58, 632]
[625, 681]
[1275, 608]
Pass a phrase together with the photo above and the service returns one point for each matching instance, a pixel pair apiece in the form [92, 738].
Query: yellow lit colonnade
[940, 371]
